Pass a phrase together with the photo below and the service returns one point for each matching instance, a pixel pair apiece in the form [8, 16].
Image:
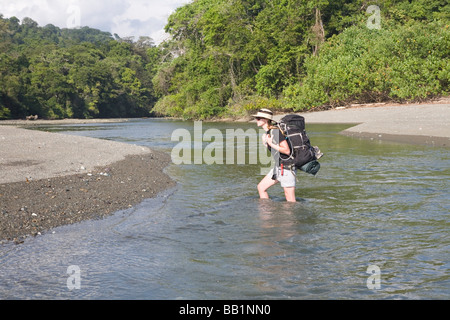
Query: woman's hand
[269, 140]
[264, 139]
[283, 147]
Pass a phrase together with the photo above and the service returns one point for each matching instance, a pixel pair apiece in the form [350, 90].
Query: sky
[124, 17]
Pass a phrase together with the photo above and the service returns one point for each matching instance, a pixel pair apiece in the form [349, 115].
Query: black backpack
[303, 156]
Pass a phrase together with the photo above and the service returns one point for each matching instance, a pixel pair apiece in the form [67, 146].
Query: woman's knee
[265, 184]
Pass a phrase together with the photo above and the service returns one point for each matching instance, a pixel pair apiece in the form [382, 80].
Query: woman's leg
[265, 184]
[290, 194]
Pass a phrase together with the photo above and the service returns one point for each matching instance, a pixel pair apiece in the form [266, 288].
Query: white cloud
[124, 17]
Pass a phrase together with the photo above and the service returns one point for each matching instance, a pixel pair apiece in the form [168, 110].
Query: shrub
[397, 63]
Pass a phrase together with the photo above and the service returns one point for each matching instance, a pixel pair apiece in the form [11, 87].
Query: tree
[84, 73]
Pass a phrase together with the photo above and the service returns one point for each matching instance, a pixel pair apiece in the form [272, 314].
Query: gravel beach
[49, 179]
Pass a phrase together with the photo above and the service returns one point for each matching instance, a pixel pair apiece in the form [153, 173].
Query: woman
[277, 144]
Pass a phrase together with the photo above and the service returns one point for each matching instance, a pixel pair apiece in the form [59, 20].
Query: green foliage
[229, 50]
[229, 56]
[398, 62]
[63, 73]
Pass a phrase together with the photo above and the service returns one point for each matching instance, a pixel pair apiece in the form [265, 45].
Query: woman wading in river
[276, 143]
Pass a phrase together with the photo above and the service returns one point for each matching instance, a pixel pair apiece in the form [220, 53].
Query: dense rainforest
[228, 57]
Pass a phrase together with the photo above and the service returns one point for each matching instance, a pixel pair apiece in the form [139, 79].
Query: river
[373, 224]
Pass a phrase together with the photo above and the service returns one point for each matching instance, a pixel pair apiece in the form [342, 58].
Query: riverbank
[43, 122]
[49, 179]
[416, 123]
[425, 124]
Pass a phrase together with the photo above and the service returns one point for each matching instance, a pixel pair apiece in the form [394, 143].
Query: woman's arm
[283, 147]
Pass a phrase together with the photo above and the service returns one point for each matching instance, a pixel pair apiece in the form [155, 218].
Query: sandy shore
[414, 123]
[50, 179]
[33, 155]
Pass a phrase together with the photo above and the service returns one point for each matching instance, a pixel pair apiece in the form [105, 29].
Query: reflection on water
[373, 203]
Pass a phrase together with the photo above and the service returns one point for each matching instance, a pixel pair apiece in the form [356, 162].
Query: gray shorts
[287, 179]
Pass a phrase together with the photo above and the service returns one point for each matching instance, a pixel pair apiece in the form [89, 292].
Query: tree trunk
[318, 32]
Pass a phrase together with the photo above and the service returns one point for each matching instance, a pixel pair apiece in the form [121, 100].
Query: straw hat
[264, 113]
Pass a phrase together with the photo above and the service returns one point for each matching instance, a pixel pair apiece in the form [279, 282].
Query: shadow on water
[373, 203]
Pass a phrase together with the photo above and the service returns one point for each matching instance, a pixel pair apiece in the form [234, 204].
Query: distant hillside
[63, 73]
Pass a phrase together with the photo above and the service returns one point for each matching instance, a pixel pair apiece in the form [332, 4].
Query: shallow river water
[373, 224]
